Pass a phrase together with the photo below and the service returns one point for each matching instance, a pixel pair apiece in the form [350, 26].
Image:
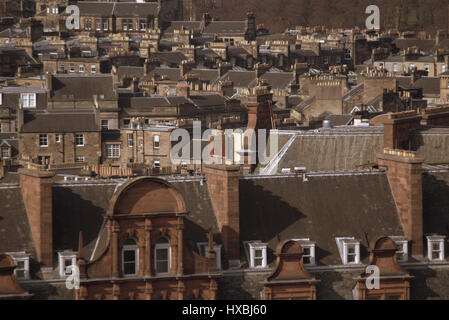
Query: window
[130, 140]
[412, 66]
[257, 254]
[42, 160]
[5, 153]
[67, 261]
[127, 124]
[79, 159]
[72, 67]
[435, 248]
[57, 138]
[105, 25]
[349, 249]
[43, 140]
[22, 262]
[156, 142]
[93, 68]
[395, 67]
[130, 254]
[143, 25]
[28, 100]
[402, 244]
[426, 67]
[104, 125]
[156, 164]
[88, 24]
[162, 256]
[79, 140]
[61, 67]
[81, 68]
[184, 165]
[308, 249]
[113, 151]
[204, 246]
[98, 24]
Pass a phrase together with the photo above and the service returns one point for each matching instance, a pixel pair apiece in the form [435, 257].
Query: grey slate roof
[59, 122]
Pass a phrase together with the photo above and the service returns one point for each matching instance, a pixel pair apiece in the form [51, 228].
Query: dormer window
[130, 257]
[22, 262]
[308, 249]
[402, 244]
[257, 254]
[67, 261]
[435, 247]
[203, 247]
[349, 249]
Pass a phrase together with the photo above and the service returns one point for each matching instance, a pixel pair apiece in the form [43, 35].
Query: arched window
[130, 258]
[162, 254]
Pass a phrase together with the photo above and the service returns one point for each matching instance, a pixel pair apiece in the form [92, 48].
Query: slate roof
[82, 87]
[278, 80]
[327, 206]
[225, 28]
[59, 122]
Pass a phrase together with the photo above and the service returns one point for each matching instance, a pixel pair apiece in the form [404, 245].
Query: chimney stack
[404, 172]
[223, 184]
[38, 198]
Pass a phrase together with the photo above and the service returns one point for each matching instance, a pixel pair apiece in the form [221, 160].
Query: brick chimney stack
[223, 184]
[38, 198]
[396, 129]
[404, 172]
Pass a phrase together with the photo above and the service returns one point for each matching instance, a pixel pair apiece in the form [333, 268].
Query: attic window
[435, 248]
[67, 262]
[402, 244]
[203, 247]
[22, 262]
[308, 248]
[349, 249]
[257, 254]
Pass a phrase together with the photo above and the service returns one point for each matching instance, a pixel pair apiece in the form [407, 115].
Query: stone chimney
[404, 172]
[38, 198]
[250, 25]
[396, 129]
[223, 184]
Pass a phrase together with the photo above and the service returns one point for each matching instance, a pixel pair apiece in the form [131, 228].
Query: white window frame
[127, 126]
[17, 257]
[93, 68]
[252, 247]
[162, 246]
[28, 100]
[57, 138]
[443, 69]
[62, 258]
[436, 239]
[113, 151]
[81, 68]
[344, 244]
[79, 159]
[310, 245]
[156, 142]
[402, 244]
[135, 248]
[77, 137]
[156, 164]
[130, 139]
[203, 247]
[42, 136]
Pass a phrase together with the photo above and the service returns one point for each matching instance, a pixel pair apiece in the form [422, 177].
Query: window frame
[77, 137]
[311, 245]
[436, 239]
[17, 257]
[29, 100]
[344, 244]
[401, 242]
[202, 249]
[130, 139]
[135, 248]
[64, 256]
[43, 136]
[105, 128]
[252, 247]
[162, 246]
[156, 141]
[115, 151]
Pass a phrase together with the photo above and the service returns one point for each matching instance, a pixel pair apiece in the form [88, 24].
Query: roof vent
[285, 170]
[300, 169]
[327, 124]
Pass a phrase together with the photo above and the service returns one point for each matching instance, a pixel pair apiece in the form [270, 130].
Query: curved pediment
[146, 195]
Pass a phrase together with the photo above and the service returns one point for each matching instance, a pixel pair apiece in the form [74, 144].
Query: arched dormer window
[162, 254]
[130, 258]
